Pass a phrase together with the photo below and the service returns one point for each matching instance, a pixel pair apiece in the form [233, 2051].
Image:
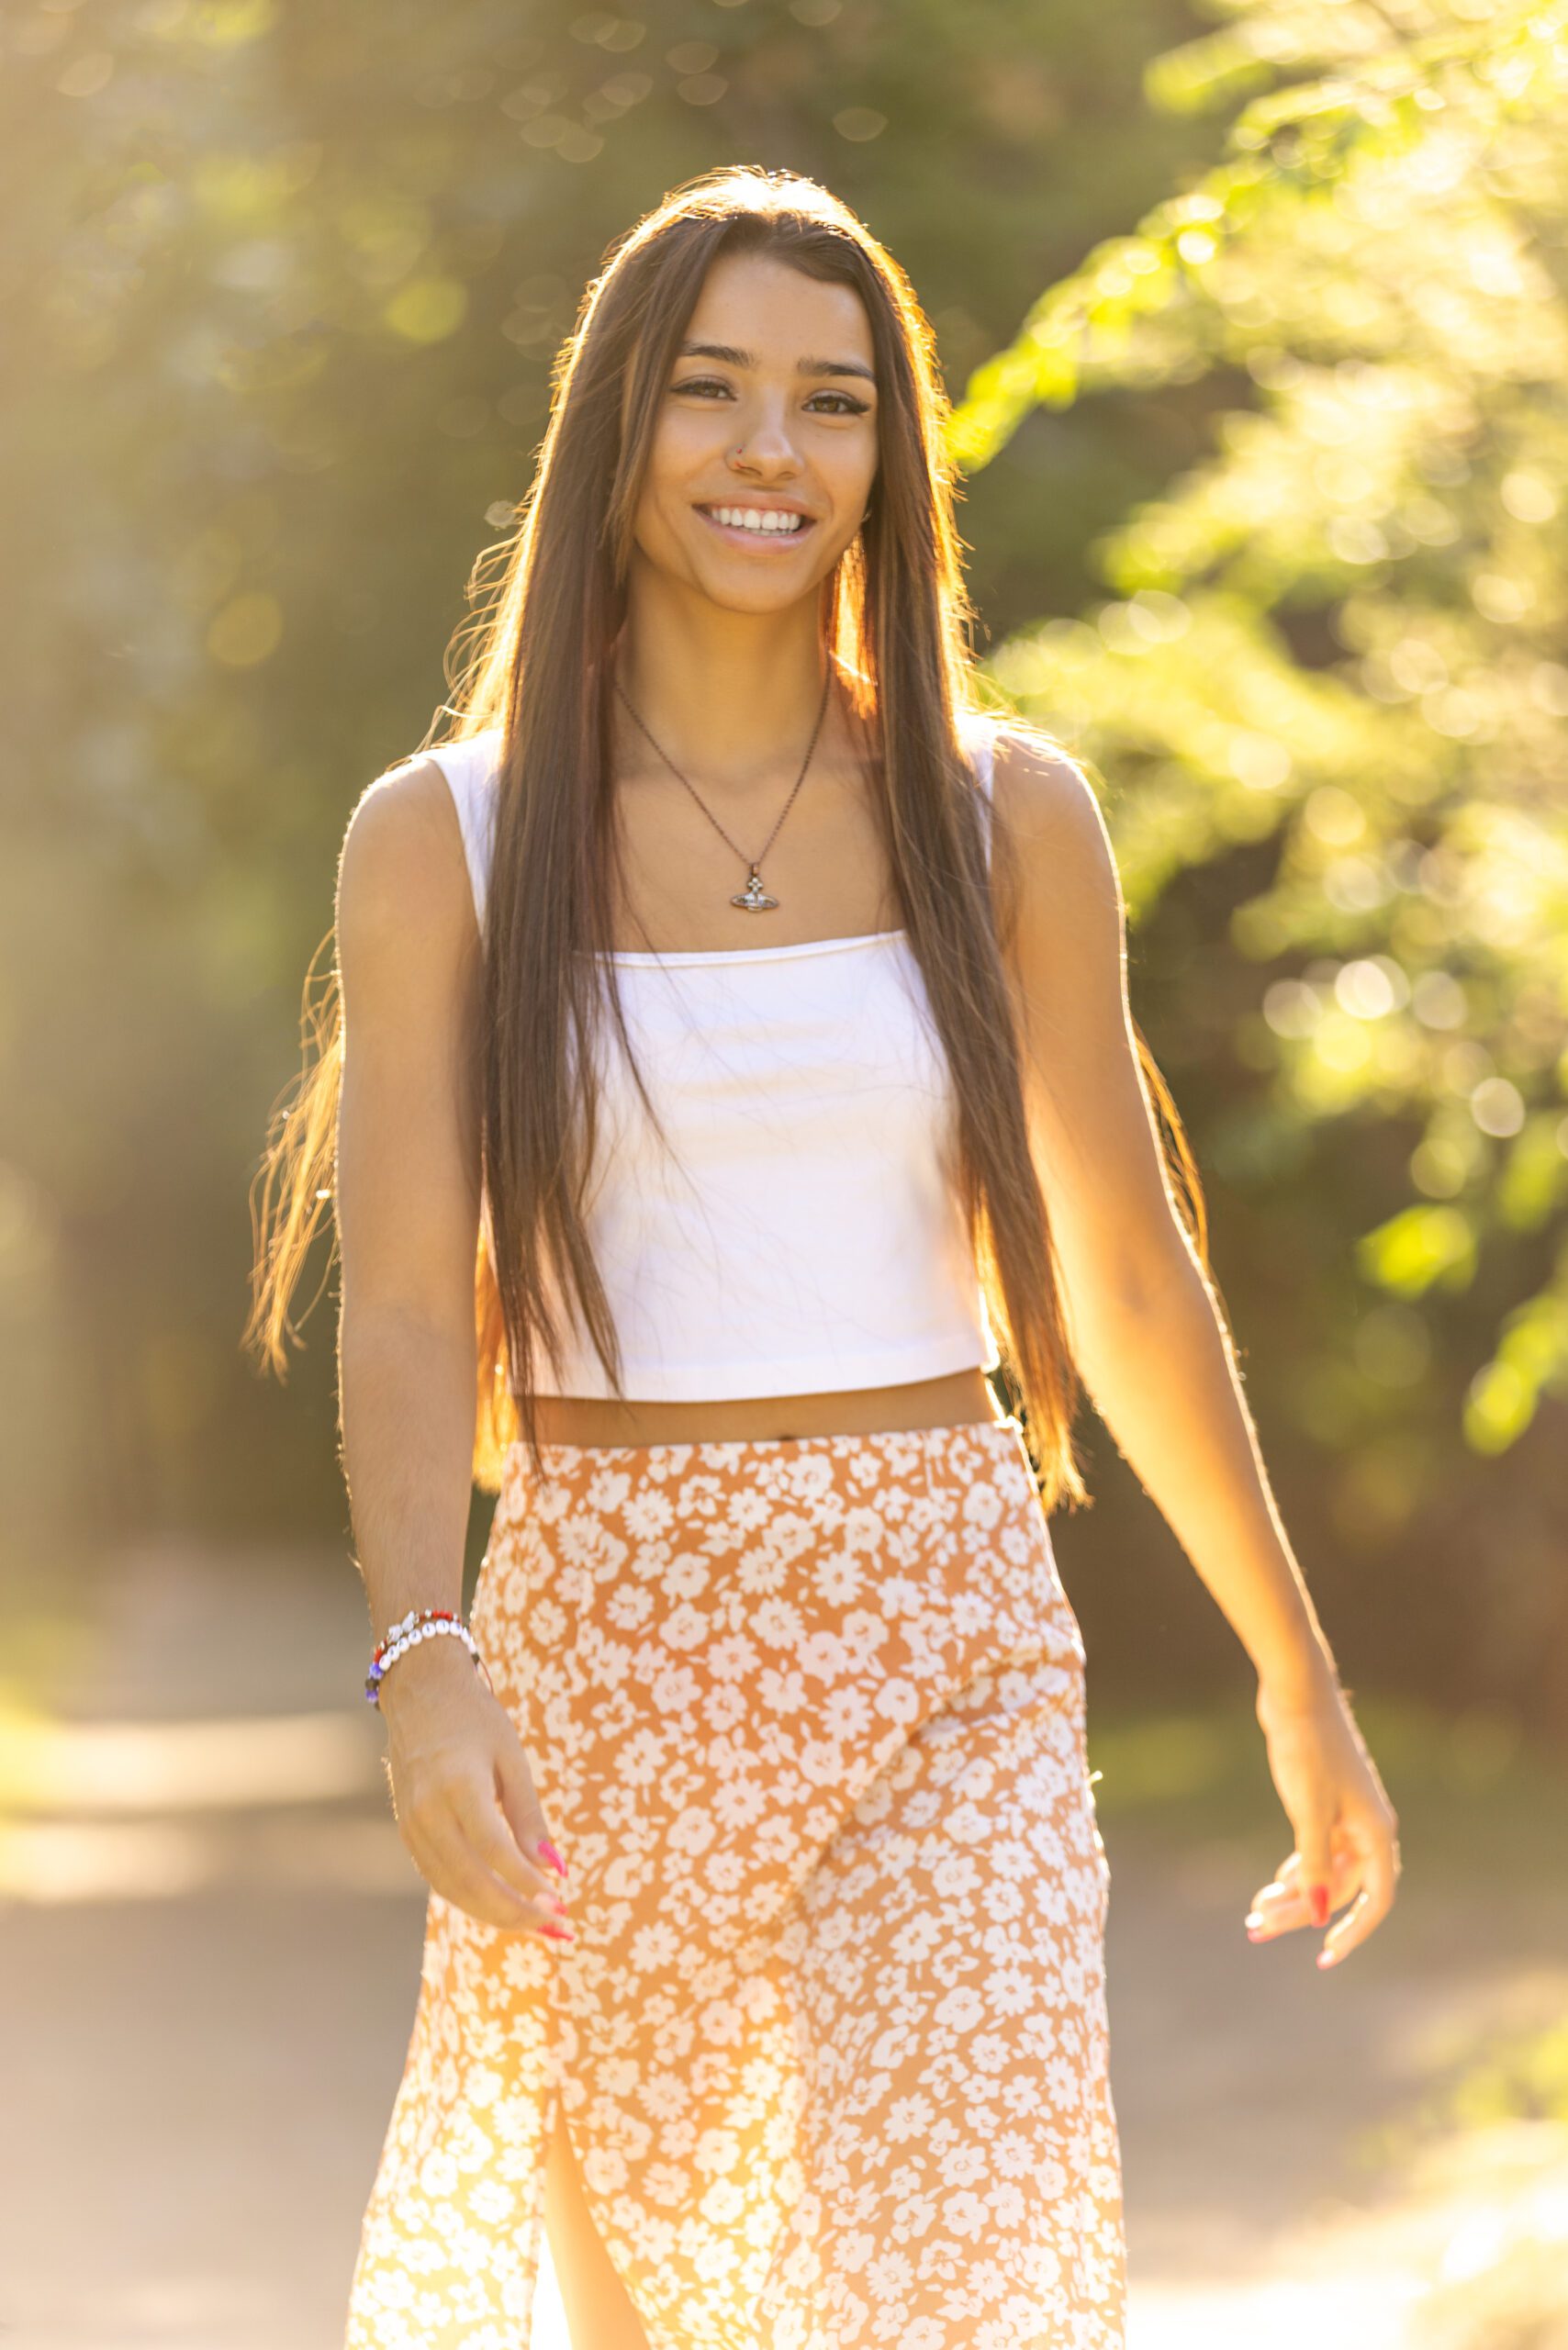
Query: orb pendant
[754, 897]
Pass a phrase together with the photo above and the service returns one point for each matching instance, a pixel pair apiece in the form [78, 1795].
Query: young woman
[734, 1067]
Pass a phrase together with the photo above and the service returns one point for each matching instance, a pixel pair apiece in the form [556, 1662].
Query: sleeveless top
[806, 1234]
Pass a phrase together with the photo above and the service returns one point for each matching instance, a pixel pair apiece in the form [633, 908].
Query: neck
[731, 696]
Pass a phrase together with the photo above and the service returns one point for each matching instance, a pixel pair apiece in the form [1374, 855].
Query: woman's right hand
[463, 1793]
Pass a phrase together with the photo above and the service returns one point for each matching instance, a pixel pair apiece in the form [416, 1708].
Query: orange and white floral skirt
[806, 1717]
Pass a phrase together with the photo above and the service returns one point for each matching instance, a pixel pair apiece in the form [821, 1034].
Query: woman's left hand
[1346, 1836]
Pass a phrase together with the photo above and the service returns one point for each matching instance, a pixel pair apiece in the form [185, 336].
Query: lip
[737, 536]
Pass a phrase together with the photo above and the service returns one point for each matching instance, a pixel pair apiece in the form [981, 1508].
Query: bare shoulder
[1044, 791]
[402, 872]
[1047, 804]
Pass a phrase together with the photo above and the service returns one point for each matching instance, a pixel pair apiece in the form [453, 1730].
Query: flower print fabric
[806, 1717]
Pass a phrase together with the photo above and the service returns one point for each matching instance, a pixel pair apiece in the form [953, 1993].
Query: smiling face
[765, 445]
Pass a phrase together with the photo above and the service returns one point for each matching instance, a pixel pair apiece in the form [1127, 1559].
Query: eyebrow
[730, 356]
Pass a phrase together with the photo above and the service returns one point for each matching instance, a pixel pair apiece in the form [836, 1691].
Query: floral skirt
[806, 1718]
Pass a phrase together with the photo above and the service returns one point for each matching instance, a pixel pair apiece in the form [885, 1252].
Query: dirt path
[209, 1941]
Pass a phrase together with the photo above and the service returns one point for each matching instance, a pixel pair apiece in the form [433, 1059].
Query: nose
[766, 444]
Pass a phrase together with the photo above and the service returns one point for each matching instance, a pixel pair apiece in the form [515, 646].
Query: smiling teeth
[753, 518]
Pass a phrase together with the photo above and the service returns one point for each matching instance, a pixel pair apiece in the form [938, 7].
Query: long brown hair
[897, 622]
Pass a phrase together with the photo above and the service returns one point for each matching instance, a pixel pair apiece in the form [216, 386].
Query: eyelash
[710, 383]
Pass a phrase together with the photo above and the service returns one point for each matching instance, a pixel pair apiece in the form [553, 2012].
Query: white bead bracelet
[423, 1624]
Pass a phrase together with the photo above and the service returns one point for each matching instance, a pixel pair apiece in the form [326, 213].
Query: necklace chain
[754, 897]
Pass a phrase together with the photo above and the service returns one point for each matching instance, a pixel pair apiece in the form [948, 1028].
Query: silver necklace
[754, 897]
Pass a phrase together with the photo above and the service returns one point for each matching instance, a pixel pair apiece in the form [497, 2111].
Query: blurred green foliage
[282, 291]
[1325, 691]
[1264, 499]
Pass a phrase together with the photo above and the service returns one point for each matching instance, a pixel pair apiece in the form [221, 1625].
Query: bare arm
[407, 1196]
[1146, 1330]
[408, 1200]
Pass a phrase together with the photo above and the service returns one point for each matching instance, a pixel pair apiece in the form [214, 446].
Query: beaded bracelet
[419, 1624]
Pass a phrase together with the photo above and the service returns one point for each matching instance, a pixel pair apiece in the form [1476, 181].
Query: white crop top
[807, 1236]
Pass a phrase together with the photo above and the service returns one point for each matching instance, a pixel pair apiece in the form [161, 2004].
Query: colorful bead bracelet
[419, 1624]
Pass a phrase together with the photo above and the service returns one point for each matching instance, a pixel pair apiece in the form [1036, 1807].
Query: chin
[744, 588]
[759, 599]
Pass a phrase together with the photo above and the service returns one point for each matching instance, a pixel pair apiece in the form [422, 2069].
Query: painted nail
[1320, 1904]
[559, 1907]
[561, 1934]
[553, 1856]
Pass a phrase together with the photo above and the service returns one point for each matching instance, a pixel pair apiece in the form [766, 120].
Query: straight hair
[896, 626]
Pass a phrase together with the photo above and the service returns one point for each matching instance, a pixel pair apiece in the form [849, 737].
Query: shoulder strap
[470, 768]
[978, 731]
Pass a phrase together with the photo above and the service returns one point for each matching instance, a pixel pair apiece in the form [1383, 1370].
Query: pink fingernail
[553, 1856]
[1320, 1904]
[561, 1934]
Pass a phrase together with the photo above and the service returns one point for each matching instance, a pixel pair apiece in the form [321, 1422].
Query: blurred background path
[210, 1948]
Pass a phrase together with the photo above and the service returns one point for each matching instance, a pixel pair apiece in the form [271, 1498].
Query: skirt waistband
[716, 1451]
